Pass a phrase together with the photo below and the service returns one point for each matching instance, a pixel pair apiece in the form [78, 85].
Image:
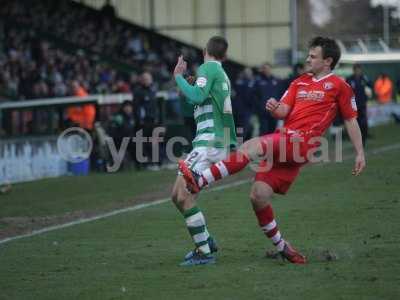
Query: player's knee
[254, 196]
[252, 148]
[179, 199]
[260, 195]
[174, 197]
[246, 147]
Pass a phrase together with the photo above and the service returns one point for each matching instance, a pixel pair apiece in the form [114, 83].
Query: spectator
[298, 69]
[89, 116]
[121, 86]
[78, 90]
[383, 89]
[244, 91]
[40, 90]
[267, 86]
[360, 83]
[83, 116]
[145, 101]
[123, 124]
[145, 98]
[60, 88]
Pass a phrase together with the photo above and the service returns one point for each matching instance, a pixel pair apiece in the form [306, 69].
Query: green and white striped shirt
[213, 116]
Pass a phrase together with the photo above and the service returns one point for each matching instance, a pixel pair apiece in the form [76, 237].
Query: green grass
[68, 194]
[136, 255]
[104, 191]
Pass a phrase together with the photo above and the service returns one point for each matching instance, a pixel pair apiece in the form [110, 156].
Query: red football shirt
[315, 102]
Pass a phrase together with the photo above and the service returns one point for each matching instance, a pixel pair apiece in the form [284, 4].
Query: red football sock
[268, 225]
[234, 163]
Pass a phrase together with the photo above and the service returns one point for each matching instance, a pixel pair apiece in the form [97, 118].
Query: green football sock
[196, 225]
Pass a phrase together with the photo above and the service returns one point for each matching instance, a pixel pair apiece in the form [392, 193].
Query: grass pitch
[348, 227]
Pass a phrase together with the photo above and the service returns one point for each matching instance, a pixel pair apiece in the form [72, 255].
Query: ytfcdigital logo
[75, 145]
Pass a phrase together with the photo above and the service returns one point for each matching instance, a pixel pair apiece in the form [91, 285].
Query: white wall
[30, 159]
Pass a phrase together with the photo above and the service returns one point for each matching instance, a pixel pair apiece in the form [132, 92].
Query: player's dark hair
[329, 49]
[217, 47]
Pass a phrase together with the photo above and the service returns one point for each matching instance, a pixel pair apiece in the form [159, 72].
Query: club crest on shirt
[201, 82]
[328, 85]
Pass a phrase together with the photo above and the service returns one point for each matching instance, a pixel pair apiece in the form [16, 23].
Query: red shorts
[287, 159]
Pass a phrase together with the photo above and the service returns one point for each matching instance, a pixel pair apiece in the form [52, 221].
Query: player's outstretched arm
[194, 95]
[279, 110]
[354, 133]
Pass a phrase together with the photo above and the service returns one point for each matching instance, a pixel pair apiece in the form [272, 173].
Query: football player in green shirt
[215, 136]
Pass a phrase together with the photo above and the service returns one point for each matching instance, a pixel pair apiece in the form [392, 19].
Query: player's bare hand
[359, 164]
[271, 104]
[181, 66]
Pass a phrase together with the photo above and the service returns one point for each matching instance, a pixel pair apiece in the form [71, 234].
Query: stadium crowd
[92, 38]
[35, 63]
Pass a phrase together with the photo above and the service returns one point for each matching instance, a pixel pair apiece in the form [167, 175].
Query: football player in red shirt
[308, 108]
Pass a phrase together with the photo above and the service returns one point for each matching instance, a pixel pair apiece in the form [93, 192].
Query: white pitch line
[385, 148]
[84, 220]
[156, 202]
[113, 213]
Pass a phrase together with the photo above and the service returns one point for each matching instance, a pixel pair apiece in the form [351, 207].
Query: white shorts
[201, 158]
